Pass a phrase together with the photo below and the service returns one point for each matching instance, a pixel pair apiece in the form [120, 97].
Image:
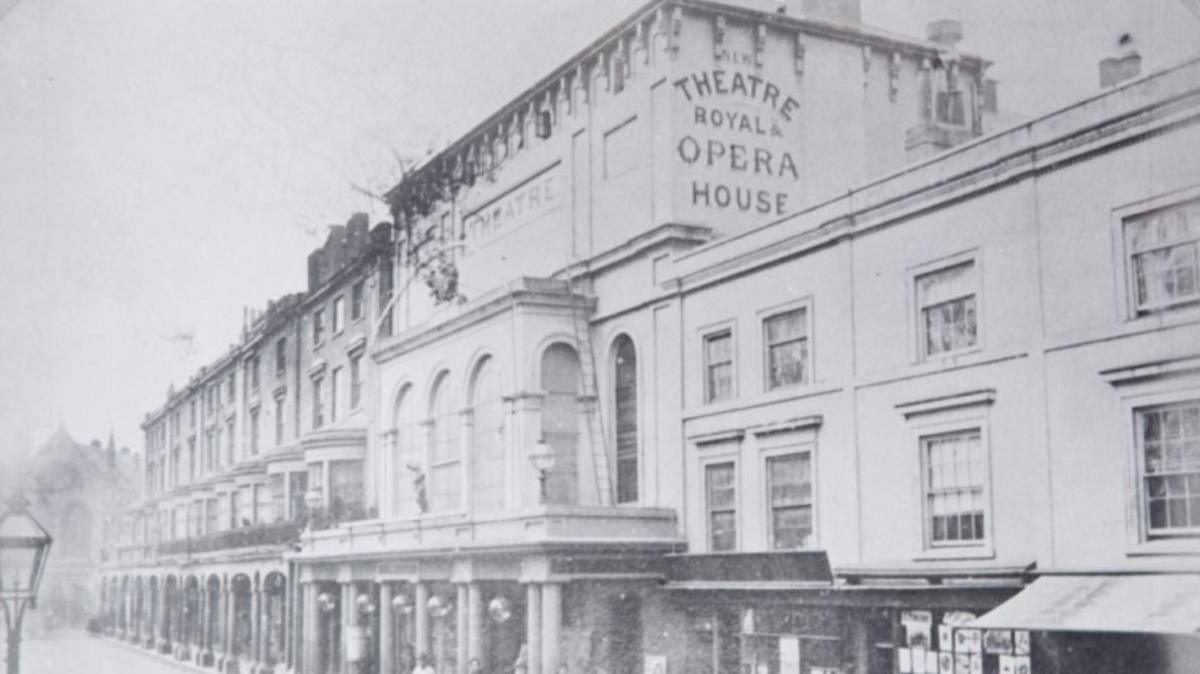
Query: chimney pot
[1117, 69]
[945, 32]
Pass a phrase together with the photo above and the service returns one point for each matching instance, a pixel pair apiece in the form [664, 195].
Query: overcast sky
[165, 163]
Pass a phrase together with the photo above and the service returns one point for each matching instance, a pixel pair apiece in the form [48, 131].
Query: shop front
[789, 613]
[1098, 623]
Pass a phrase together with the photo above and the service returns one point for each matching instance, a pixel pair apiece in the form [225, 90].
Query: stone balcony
[533, 528]
[281, 533]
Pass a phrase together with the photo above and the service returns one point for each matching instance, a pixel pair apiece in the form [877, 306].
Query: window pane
[1164, 253]
[791, 527]
[946, 284]
[950, 326]
[786, 363]
[721, 497]
[626, 418]
[724, 531]
[954, 482]
[785, 327]
[1169, 440]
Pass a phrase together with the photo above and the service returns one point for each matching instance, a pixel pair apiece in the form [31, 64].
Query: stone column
[311, 627]
[349, 619]
[533, 626]
[256, 605]
[387, 630]
[475, 618]
[460, 626]
[551, 626]
[230, 619]
[421, 613]
[202, 628]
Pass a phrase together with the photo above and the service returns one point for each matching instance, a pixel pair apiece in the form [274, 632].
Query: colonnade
[231, 622]
[390, 624]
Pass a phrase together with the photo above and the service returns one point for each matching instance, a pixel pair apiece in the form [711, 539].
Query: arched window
[487, 450]
[406, 459]
[445, 485]
[626, 410]
[560, 421]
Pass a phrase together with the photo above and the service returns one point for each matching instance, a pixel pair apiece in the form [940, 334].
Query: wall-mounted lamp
[542, 458]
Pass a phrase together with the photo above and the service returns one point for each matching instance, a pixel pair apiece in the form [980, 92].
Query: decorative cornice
[1160, 369]
[796, 424]
[526, 291]
[947, 402]
[731, 435]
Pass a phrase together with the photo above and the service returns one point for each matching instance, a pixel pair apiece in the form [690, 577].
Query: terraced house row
[743, 341]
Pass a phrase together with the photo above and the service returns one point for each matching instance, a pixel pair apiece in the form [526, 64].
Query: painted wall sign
[734, 141]
[532, 198]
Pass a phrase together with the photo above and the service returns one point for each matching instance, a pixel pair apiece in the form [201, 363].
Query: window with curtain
[560, 421]
[946, 301]
[346, 502]
[721, 497]
[262, 505]
[297, 488]
[277, 486]
[718, 366]
[487, 450]
[954, 488]
[1168, 440]
[407, 449]
[789, 484]
[626, 403]
[785, 337]
[1164, 256]
[444, 480]
[245, 506]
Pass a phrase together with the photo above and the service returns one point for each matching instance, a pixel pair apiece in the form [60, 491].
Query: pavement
[81, 653]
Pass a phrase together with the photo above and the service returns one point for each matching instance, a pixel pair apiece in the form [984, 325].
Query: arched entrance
[189, 632]
[170, 614]
[274, 617]
[212, 628]
[243, 618]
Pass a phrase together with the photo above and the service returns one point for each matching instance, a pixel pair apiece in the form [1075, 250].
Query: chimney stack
[1126, 64]
[946, 33]
[831, 11]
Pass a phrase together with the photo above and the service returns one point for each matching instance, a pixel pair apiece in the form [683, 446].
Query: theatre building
[535, 478]
[741, 342]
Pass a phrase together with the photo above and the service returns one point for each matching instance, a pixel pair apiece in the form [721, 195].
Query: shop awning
[1148, 603]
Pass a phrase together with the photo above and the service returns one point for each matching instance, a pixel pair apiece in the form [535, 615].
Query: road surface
[79, 653]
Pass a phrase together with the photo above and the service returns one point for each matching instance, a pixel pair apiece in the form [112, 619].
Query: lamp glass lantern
[24, 547]
[542, 458]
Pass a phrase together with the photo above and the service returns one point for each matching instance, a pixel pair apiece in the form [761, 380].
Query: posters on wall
[998, 641]
[1015, 664]
[655, 664]
[1021, 642]
[960, 649]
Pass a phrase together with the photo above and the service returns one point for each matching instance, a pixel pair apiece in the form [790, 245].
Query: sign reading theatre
[734, 141]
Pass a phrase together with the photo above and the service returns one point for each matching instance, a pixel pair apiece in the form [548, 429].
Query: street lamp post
[542, 457]
[24, 546]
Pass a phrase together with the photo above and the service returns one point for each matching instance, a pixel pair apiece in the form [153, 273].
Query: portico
[533, 586]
